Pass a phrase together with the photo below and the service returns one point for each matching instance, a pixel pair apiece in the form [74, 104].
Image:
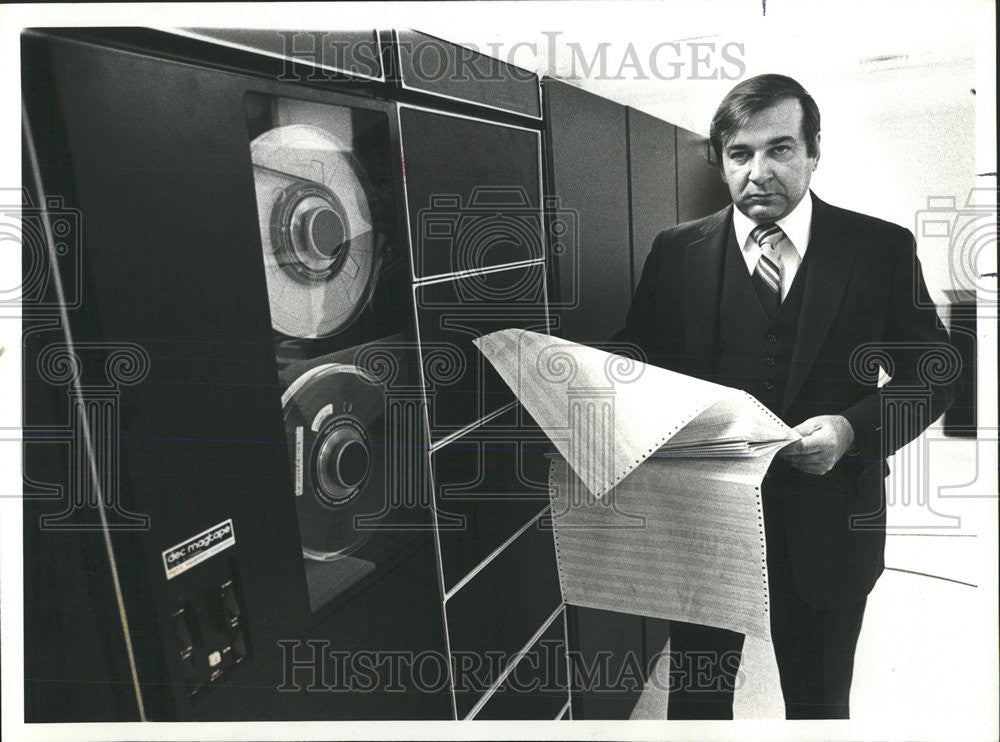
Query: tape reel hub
[309, 232]
[342, 461]
[324, 233]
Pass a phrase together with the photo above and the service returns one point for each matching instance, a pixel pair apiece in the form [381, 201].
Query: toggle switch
[183, 633]
[188, 669]
[230, 606]
[239, 645]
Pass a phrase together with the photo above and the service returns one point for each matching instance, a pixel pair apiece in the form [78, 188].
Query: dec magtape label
[195, 550]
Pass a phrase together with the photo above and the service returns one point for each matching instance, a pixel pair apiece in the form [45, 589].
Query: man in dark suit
[774, 297]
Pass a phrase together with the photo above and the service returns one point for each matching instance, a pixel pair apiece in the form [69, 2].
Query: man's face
[766, 164]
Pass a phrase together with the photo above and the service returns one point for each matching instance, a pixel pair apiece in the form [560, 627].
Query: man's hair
[753, 96]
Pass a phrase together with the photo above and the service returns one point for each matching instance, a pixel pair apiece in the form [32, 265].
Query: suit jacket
[865, 304]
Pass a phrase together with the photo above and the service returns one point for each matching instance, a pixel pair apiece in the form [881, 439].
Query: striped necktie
[767, 274]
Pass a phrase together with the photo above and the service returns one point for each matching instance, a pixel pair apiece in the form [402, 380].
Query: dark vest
[754, 351]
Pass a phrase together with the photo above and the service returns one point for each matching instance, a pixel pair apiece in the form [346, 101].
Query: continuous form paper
[656, 506]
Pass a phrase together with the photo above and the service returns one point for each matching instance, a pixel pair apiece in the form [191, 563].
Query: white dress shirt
[791, 249]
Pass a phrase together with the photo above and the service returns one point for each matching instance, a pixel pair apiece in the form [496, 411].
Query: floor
[928, 648]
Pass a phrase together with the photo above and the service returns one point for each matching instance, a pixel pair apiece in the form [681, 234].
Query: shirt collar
[795, 226]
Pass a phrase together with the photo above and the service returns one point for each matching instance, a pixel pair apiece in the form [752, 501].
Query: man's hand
[824, 440]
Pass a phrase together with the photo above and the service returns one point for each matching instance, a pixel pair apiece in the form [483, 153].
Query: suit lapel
[702, 283]
[831, 256]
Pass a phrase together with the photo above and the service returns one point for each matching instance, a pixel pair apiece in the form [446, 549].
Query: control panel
[210, 636]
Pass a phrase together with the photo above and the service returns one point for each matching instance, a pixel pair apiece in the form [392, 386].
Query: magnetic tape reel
[335, 423]
[320, 237]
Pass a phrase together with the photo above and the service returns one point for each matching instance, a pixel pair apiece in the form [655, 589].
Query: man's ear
[816, 158]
